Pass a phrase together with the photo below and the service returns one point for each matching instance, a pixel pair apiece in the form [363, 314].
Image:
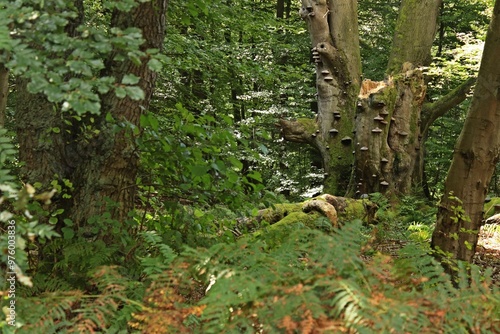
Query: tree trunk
[385, 152]
[4, 92]
[415, 32]
[389, 136]
[102, 165]
[334, 35]
[280, 9]
[475, 157]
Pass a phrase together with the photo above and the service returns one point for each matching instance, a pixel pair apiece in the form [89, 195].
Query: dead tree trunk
[335, 50]
[388, 139]
[475, 157]
[370, 133]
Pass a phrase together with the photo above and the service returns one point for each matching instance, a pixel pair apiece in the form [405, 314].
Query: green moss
[298, 217]
[293, 218]
[489, 209]
[355, 209]
[280, 211]
[308, 124]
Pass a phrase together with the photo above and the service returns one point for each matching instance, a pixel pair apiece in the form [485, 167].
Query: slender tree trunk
[415, 32]
[280, 9]
[4, 92]
[475, 157]
[288, 8]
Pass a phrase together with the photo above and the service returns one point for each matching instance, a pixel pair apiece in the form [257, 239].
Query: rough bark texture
[388, 139]
[474, 159]
[389, 155]
[102, 167]
[111, 172]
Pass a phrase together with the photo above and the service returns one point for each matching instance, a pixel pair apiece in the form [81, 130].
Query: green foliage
[377, 20]
[209, 153]
[411, 218]
[17, 222]
[7, 152]
[250, 68]
[192, 163]
[420, 233]
[63, 64]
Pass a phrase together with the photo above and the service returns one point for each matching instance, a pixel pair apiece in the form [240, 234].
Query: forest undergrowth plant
[312, 281]
[196, 177]
[107, 306]
[404, 219]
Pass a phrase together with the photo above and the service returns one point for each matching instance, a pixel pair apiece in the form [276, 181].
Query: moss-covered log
[339, 211]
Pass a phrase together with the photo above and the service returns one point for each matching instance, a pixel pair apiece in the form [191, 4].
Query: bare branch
[432, 111]
[299, 131]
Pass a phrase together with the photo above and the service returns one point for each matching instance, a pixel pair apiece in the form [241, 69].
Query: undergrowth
[309, 282]
[314, 282]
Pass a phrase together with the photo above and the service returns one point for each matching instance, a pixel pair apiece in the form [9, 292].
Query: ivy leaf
[120, 92]
[135, 93]
[155, 65]
[130, 79]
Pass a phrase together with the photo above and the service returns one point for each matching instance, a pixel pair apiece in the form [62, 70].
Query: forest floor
[488, 251]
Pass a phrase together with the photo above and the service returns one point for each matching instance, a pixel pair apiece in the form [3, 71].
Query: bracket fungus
[346, 140]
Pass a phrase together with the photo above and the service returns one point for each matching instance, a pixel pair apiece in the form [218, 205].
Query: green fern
[107, 310]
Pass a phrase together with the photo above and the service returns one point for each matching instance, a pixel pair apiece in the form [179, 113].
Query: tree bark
[111, 173]
[280, 9]
[475, 157]
[391, 160]
[388, 139]
[415, 32]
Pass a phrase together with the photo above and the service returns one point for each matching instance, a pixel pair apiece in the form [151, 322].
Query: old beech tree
[370, 134]
[474, 159]
[95, 150]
